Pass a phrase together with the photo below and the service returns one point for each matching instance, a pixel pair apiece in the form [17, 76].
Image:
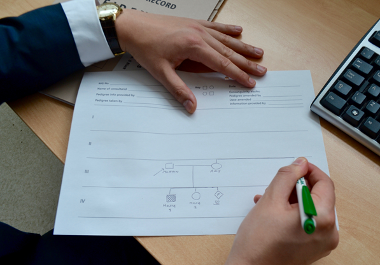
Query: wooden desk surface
[296, 35]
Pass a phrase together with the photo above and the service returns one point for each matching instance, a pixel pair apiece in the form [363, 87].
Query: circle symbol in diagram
[196, 195]
[216, 166]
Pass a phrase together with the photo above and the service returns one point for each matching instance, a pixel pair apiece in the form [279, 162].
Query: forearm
[45, 45]
[37, 50]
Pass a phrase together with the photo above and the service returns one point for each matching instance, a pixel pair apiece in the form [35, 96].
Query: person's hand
[272, 232]
[161, 43]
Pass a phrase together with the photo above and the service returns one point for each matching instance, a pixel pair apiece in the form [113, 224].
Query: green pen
[306, 205]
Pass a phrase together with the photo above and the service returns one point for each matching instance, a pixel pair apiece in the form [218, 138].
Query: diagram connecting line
[159, 172]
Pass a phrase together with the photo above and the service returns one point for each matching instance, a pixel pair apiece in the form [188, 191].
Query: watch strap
[109, 30]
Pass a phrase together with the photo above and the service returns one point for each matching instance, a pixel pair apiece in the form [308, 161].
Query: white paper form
[138, 164]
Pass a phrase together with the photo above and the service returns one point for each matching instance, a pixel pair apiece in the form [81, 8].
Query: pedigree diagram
[219, 171]
[215, 167]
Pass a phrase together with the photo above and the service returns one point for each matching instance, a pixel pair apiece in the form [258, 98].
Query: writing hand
[272, 232]
[161, 43]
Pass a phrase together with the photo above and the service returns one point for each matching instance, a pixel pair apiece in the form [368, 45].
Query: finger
[239, 60]
[257, 198]
[237, 45]
[322, 187]
[283, 183]
[224, 28]
[217, 62]
[323, 195]
[315, 174]
[174, 84]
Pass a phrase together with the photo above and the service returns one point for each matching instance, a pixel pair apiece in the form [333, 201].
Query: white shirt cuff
[87, 32]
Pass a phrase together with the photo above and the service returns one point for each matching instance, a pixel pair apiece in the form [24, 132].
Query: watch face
[107, 9]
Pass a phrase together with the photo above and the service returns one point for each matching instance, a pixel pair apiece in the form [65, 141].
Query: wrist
[126, 29]
[121, 29]
[239, 258]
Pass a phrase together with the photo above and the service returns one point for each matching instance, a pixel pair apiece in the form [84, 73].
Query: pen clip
[308, 204]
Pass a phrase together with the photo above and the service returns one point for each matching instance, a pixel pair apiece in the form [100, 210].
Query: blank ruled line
[292, 107]
[176, 108]
[284, 104]
[195, 159]
[154, 104]
[282, 96]
[258, 100]
[159, 218]
[156, 97]
[258, 86]
[152, 91]
[199, 133]
[172, 107]
[134, 85]
[171, 187]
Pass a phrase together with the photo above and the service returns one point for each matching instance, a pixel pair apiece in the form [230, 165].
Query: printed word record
[138, 164]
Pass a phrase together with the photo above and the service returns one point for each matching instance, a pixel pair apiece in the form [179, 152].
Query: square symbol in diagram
[211, 93]
[169, 165]
[171, 198]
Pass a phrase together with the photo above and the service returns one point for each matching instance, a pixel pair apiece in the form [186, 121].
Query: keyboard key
[362, 67]
[375, 39]
[376, 77]
[376, 63]
[358, 99]
[353, 116]
[370, 127]
[363, 86]
[354, 78]
[373, 91]
[334, 103]
[367, 54]
[372, 108]
[342, 89]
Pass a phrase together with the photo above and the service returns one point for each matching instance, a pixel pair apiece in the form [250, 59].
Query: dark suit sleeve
[37, 49]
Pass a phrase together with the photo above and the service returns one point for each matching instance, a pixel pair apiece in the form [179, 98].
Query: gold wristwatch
[108, 12]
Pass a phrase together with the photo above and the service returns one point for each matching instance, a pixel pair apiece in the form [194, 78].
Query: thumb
[285, 180]
[174, 84]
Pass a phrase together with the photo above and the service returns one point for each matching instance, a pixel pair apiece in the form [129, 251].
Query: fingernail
[258, 51]
[238, 29]
[188, 106]
[299, 161]
[251, 81]
[261, 69]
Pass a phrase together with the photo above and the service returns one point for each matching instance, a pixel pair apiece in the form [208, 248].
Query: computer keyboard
[351, 97]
